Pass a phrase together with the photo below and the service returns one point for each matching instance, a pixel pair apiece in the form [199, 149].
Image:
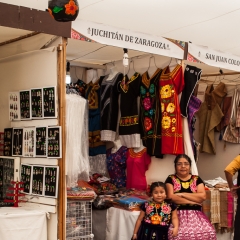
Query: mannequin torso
[117, 145]
[112, 74]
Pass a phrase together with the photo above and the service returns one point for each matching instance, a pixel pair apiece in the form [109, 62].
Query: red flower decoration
[147, 123]
[71, 8]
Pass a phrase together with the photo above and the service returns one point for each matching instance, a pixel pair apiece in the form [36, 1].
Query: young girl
[156, 216]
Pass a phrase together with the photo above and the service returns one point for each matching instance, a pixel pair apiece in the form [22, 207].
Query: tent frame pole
[61, 163]
[219, 74]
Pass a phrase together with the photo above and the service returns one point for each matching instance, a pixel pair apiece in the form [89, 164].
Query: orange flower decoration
[71, 8]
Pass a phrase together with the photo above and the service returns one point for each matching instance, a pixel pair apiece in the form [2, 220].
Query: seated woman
[188, 192]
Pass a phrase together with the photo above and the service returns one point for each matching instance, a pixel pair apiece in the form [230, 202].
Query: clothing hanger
[150, 62]
[131, 61]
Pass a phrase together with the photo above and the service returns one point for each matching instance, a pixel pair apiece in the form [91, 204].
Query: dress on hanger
[150, 113]
[210, 115]
[97, 148]
[129, 130]
[109, 107]
[192, 75]
[171, 85]
[116, 165]
[137, 165]
[193, 107]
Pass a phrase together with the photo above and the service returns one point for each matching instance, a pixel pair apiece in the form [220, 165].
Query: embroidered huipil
[97, 148]
[171, 84]
[158, 213]
[150, 114]
[129, 131]
[116, 165]
[137, 165]
[109, 107]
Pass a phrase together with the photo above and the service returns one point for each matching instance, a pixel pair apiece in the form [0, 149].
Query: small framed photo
[54, 145]
[25, 105]
[49, 102]
[37, 103]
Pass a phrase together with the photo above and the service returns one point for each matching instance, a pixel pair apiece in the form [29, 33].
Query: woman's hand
[174, 232]
[134, 236]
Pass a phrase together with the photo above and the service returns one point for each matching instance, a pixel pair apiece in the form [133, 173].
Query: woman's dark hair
[182, 156]
[157, 184]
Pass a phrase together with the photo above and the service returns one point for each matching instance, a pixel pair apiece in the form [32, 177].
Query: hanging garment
[97, 148]
[150, 114]
[231, 133]
[226, 109]
[109, 107]
[171, 84]
[210, 116]
[116, 165]
[129, 131]
[137, 165]
[193, 107]
[192, 75]
[76, 139]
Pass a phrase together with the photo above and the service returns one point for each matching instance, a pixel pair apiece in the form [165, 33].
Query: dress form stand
[116, 145]
[139, 149]
[91, 76]
[113, 72]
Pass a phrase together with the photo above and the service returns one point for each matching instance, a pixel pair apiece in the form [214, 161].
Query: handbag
[232, 131]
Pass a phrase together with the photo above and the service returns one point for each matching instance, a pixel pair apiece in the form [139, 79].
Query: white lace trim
[131, 141]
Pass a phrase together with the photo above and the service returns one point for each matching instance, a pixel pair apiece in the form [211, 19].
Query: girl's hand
[174, 232]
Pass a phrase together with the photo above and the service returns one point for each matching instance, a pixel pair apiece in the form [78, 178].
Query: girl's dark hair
[157, 184]
[182, 156]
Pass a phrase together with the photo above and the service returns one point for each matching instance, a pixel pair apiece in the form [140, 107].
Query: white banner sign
[127, 39]
[213, 57]
[36, 4]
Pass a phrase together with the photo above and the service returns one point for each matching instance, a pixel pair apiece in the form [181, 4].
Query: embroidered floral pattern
[170, 108]
[166, 91]
[176, 184]
[147, 103]
[193, 184]
[158, 213]
[152, 88]
[166, 209]
[147, 123]
[128, 121]
[166, 122]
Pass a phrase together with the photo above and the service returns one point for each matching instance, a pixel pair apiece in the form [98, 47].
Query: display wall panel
[26, 177]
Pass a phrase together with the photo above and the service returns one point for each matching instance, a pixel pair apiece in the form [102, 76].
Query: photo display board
[14, 106]
[49, 102]
[26, 178]
[37, 180]
[17, 144]
[51, 181]
[29, 142]
[25, 105]
[37, 103]
[7, 151]
[54, 142]
[41, 142]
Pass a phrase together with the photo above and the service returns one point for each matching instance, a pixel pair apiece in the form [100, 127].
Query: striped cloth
[230, 210]
[215, 206]
[206, 207]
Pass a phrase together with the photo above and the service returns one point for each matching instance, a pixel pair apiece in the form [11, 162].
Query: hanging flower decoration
[63, 10]
[71, 8]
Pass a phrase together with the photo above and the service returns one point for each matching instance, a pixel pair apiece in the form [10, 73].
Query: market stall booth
[99, 51]
[32, 64]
